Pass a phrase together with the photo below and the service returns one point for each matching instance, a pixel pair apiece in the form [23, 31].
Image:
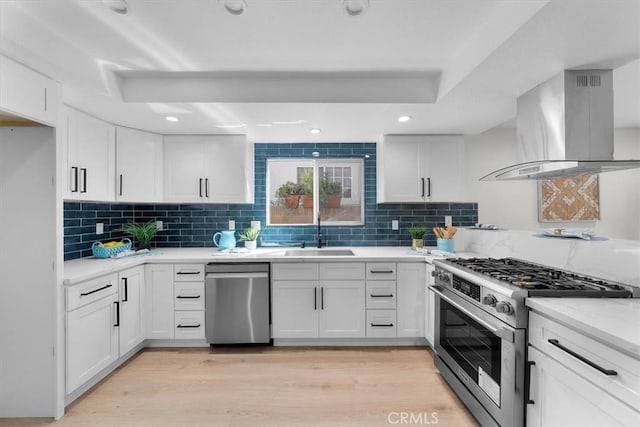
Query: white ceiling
[477, 55]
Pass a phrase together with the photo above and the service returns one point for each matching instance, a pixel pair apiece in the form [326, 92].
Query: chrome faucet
[318, 234]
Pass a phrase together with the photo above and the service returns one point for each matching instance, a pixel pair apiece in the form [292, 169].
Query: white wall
[513, 204]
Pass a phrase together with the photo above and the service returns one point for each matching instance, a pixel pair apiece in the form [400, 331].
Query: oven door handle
[503, 333]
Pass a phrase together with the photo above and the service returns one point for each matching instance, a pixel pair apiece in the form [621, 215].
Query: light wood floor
[270, 386]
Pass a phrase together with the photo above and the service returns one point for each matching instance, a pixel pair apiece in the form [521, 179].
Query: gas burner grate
[534, 277]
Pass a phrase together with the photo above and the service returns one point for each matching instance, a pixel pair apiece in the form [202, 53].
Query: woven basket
[100, 251]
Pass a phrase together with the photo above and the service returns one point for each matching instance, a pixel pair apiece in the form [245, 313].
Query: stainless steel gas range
[481, 327]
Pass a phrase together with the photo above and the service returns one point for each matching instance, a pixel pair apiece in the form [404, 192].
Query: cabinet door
[92, 340]
[159, 301]
[139, 166]
[563, 398]
[229, 169]
[26, 93]
[131, 308]
[342, 309]
[90, 157]
[401, 169]
[184, 168]
[294, 308]
[444, 173]
[411, 279]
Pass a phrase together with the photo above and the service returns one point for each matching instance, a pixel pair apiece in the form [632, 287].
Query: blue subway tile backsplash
[193, 225]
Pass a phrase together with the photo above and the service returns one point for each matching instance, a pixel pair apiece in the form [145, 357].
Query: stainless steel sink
[319, 252]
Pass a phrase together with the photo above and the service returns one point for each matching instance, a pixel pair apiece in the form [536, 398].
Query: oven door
[482, 358]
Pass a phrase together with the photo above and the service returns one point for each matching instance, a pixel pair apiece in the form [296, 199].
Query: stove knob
[504, 307]
[489, 300]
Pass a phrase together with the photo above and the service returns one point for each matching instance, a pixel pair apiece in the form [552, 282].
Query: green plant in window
[289, 194]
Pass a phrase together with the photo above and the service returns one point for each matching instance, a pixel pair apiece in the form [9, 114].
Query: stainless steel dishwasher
[237, 303]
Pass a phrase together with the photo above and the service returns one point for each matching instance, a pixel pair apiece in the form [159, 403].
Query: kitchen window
[297, 189]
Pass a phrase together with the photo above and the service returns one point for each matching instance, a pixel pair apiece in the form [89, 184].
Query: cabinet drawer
[381, 294]
[294, 271]
[381, 323]
[189, 324]
[625, 385]
[341, 271]
[189, 273]
[381, 271]
[91, 290]
[189, 296]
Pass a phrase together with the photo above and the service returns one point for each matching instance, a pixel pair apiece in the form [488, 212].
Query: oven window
[471, 345]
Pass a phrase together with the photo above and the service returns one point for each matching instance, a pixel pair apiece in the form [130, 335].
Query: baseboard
[349, 342]
[173, 343]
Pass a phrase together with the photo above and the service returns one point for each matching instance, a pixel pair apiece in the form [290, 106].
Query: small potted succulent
[142, 233]
[417, 236]
[289, 192]
[250, 236]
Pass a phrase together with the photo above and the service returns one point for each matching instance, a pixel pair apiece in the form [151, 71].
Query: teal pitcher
[224, 240]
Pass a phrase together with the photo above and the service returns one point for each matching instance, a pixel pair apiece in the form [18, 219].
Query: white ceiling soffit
[280, 86]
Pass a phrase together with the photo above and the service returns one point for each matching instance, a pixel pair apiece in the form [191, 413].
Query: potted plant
[333, 193]
[289, 192]
[142, 233]
[417, 236]
[250, 236]
[306, 185]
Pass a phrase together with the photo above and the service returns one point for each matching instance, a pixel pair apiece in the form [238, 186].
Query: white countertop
[615, 321]
[79, 270]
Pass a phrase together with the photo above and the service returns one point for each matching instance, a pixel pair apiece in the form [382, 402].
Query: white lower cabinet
[91, 329]
[189, 324]
[576, 380]
[411, 279]
[341, 311]
[159, 297]
[131, 308]
[563, 398]
[294, 307]
[311, 300]
[381, 323]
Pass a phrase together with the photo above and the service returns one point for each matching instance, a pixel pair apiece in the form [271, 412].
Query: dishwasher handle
[237, 275]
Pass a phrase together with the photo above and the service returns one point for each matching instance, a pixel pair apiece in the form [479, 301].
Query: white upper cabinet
[26, 93]
[89, 155]
[208, 168]
[420, 168]
[138, 166]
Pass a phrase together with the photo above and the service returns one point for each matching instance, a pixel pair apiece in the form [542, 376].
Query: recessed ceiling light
[315, 131]
[118, 6]
[403, 119]
[235, 7]
[171, 119]
[241, 125]
[266, 125]
[355, 7]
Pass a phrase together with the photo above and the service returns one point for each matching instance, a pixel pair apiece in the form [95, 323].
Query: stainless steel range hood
[565, 128]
